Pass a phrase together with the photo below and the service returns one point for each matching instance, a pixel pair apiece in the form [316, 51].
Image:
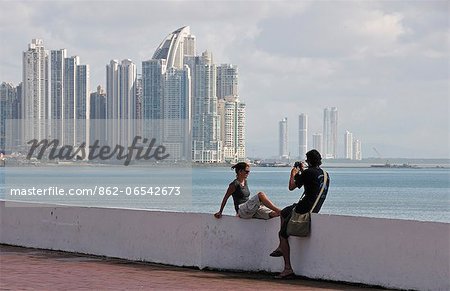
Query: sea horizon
[420, 194]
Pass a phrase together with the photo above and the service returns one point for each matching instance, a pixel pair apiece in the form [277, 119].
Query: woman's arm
[230, 191]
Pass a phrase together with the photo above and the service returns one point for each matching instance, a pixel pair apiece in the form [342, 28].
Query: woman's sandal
[276, 253]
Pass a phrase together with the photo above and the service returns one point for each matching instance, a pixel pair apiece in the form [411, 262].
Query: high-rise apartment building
[283, 138]
[17, 104]
[232, 131]
[8, 99]
[57, 58]
[75, 102]
[98, 104]
[330, 139]
[57, 68]
[302, 135]
[357, 150]
[82, 104]
[227, 81]
[127, 90]
[205, 120]
[139, 96]
[97, 108]
[189, 45]
[69, 100]
[153, 72]
[35, 105]
[348, 145]
[70, 87]
[121, 101]
[82, 110]
[176, 112]
[317, 142]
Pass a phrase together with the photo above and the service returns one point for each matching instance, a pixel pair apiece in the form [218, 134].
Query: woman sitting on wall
[258, 206]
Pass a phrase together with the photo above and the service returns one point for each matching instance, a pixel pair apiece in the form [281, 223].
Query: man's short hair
[314, 158]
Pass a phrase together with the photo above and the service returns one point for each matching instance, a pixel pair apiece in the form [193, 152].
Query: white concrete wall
[386, 252]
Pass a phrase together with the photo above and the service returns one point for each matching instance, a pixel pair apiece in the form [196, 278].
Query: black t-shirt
[240, 194]
[312, 180]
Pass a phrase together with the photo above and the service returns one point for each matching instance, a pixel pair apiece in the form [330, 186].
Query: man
[312, 179]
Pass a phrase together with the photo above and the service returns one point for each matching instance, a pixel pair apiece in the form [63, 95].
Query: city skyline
[382, 77]
[180, 108]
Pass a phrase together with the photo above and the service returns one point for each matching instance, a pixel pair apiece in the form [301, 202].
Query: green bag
[300, 224]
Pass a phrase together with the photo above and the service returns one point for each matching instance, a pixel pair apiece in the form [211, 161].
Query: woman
[312, 180]
[258, 206]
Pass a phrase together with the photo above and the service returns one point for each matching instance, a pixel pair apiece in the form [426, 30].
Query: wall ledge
[391, 253]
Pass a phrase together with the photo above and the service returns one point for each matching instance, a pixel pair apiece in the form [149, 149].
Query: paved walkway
[33, 269]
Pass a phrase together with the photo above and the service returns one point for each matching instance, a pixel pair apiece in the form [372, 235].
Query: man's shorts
[253, 209]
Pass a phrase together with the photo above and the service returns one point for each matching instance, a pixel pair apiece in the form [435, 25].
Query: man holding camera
[312, 179]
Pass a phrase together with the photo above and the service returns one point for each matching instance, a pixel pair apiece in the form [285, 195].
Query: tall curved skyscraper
[175, 46]
[167, 93]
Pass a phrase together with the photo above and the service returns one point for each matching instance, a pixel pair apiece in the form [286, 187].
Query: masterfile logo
[52, 150]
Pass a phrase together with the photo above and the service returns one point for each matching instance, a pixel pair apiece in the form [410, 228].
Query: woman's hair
[314, 158]
[239, 167]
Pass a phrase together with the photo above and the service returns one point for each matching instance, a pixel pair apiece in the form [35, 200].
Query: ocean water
[415, 194]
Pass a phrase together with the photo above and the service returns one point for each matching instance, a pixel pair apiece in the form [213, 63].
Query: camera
[297, 164]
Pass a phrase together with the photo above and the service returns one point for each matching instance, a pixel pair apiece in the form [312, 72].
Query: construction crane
[380, 157]
[378, 153]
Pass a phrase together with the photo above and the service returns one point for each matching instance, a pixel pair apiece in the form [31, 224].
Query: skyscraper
[175, 47]
[57, 68]
[127, 91]
[302, 135]
[8, 97]
[227, 81]
[205, 121]
[69, 100]
[121, 101]
[153, 72]
[348, 145]
[98, 104]
[330, 121]
[357, 155]
[283, 138]
[232, 131]
[317, 142]
[165, 96]
[75, 102]
[35, 105]
[17, 104]
[97, 126]
[177, 112]
[57, 58]
[82, 104]
[82, 110]
[139, 96]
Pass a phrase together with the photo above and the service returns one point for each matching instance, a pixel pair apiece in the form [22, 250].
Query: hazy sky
[384, 65]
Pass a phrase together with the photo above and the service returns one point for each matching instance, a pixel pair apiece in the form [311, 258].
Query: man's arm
[292, 184]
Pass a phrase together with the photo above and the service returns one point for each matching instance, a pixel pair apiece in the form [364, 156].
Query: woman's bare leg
[266, 202]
